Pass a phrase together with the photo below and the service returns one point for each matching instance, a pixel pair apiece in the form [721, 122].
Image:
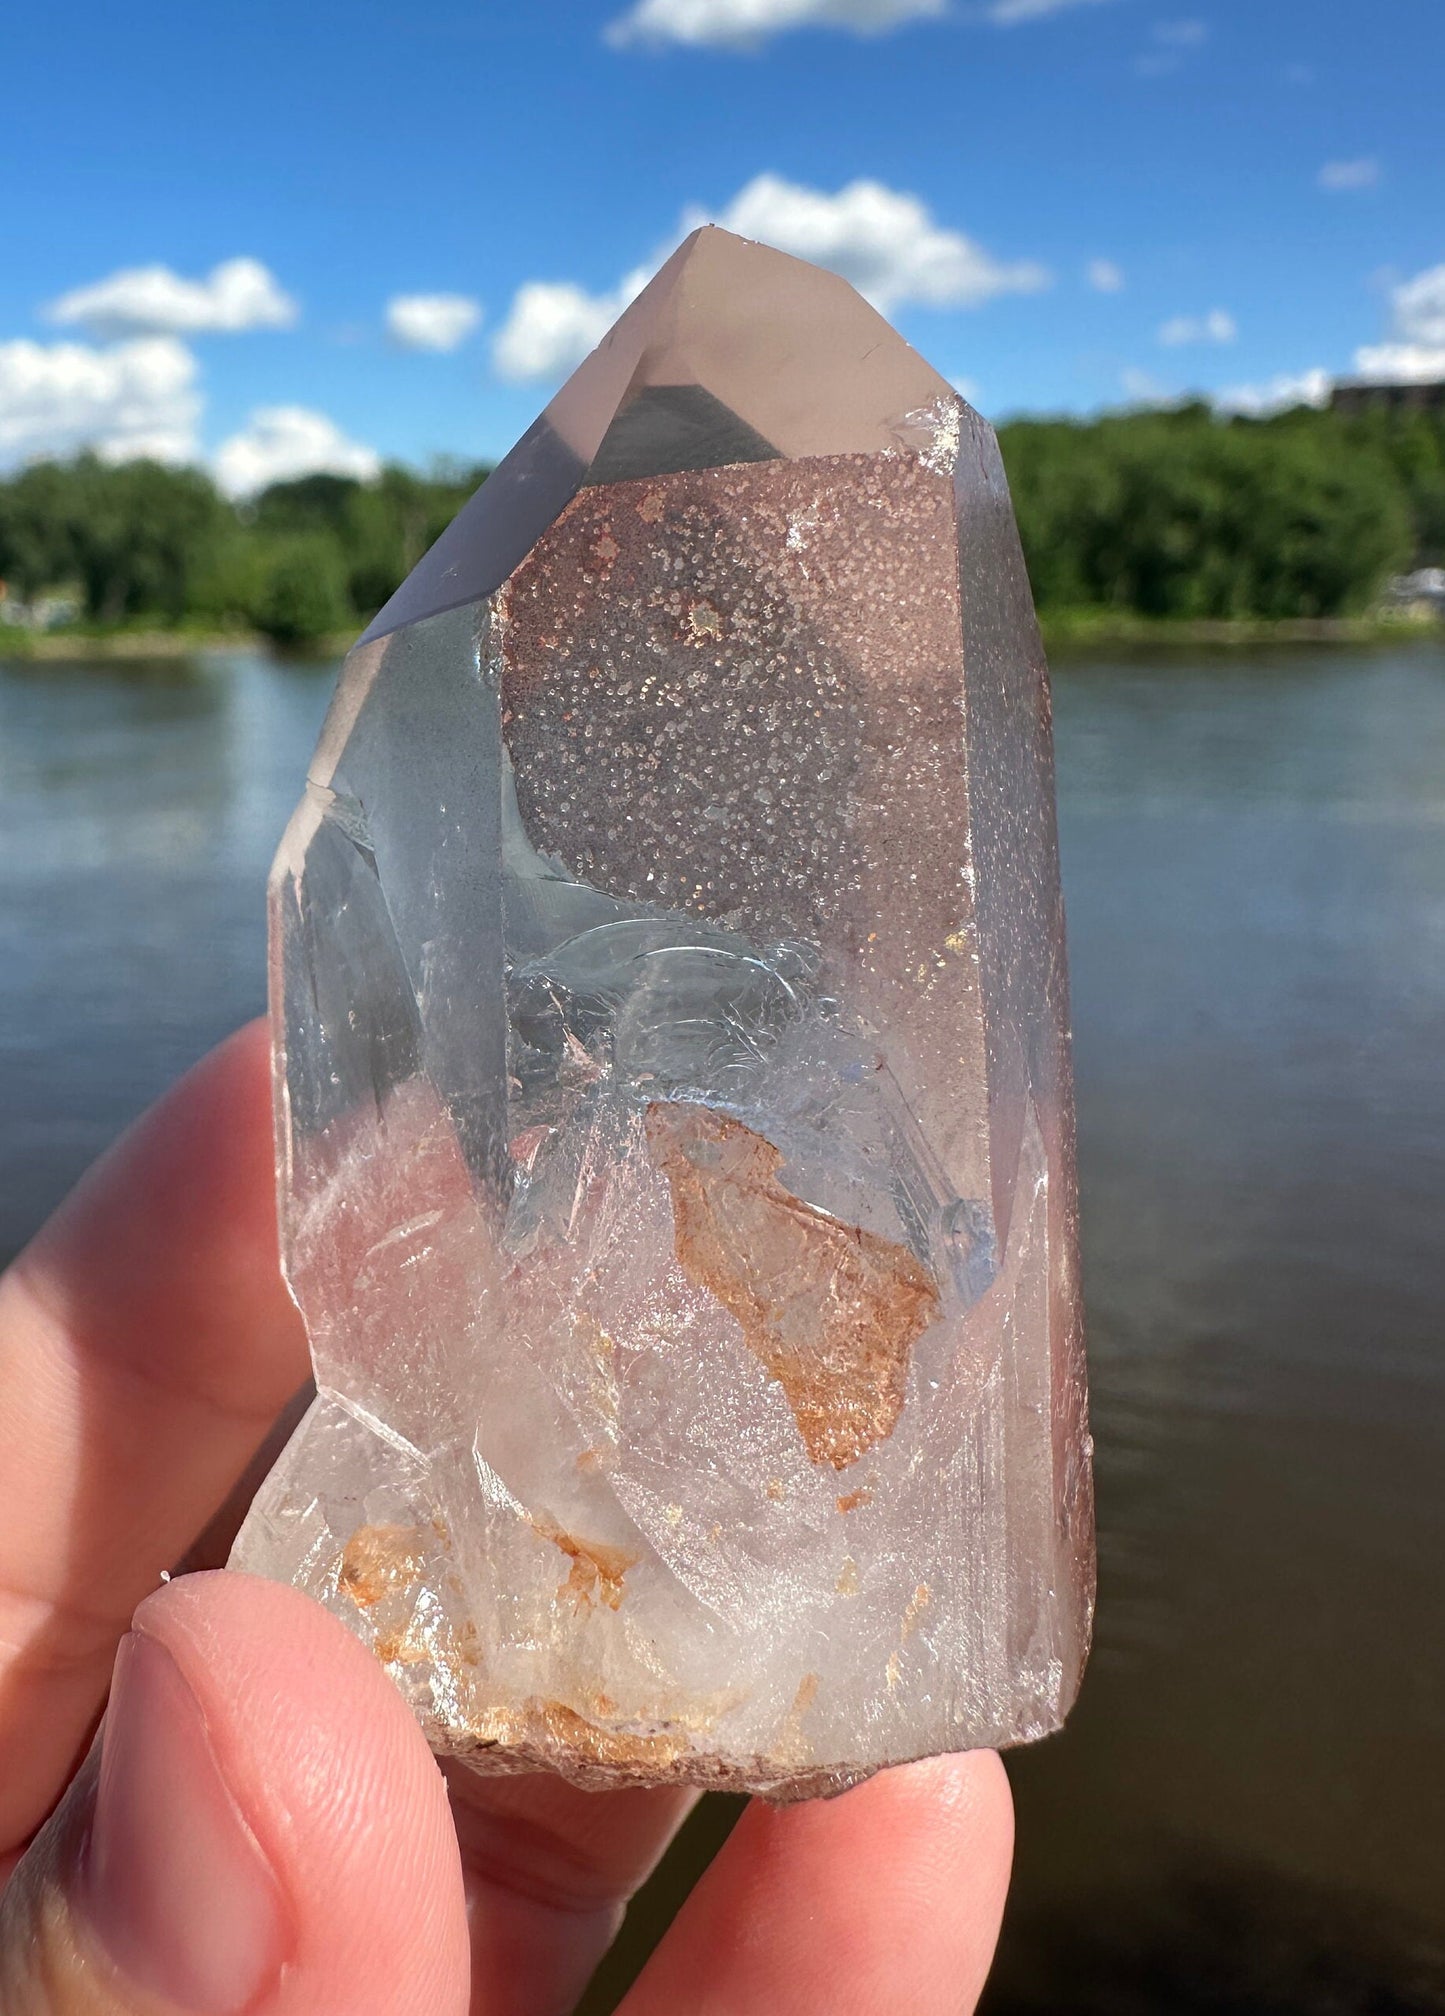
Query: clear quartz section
[674, 1112]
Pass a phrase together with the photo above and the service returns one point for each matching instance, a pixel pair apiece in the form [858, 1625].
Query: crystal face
[675, 1119]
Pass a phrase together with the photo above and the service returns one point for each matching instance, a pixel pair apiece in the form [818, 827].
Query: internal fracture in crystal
[675, 1117]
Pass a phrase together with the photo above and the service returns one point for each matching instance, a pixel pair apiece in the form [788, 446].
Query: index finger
[146, 1344]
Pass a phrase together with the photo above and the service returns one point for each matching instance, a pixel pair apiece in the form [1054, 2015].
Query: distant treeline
[1182, 514]
[1157, 514]
[305, 560]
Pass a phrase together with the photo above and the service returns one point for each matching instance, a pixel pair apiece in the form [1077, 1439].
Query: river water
[1248, 1808]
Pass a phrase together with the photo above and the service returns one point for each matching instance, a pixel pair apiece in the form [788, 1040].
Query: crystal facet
[675, 1120]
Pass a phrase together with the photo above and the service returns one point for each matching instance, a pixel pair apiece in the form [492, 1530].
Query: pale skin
[259, 1825]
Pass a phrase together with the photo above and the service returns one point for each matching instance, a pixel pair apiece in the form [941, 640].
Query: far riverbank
[1063, 631]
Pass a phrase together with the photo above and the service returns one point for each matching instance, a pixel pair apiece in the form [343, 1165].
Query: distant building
[1362, 395]
[46, 612]
[1422, 591]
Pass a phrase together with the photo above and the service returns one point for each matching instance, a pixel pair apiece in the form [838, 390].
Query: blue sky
[1065, 204]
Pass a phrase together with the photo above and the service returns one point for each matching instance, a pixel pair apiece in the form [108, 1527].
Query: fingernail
[174, 1884]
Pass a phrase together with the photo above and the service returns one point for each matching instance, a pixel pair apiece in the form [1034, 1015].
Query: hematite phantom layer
[675, 1114]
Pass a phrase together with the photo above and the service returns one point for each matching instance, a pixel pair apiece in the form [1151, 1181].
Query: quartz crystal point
[675, 1118]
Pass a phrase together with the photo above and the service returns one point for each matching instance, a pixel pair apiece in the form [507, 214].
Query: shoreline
[76, 647]
[1062, 631]
[1067, 629]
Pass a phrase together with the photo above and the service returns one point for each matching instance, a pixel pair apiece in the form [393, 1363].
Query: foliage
[132, 538]
[299, 593]
[1180, 514]
[1154, 515]
[382, 528]
[1413, 444]
[304, 560]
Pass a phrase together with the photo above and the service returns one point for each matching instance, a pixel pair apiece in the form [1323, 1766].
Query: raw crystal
[676, 1130]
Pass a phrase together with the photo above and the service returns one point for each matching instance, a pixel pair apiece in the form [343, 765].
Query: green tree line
[139, 541]
[1178, 513]
[1164, 514]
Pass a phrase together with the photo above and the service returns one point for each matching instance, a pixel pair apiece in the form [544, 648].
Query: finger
[887, 1899]
[146, 1342]
[264, 1830]
[212, 1546]
[549, 1870]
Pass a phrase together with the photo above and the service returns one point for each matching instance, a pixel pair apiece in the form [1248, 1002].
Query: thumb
[260, 1828]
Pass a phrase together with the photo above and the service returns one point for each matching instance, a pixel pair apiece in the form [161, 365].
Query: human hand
[260, 1826]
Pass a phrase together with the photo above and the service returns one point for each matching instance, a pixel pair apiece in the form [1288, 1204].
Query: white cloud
[1361, 174]
[744, 24]
[1172, 39]
[1180, 34]
[1218, 326]
[1414, 351]
[152, 300]
[886, 242]
[1419, 308]
[134, 399]
[1402, 363]
[1008, 13]
[552, 324]
[1104, 276]
[967, 388]
[1277, 394]
[431, 321]
[281, 442]
[1143, 387]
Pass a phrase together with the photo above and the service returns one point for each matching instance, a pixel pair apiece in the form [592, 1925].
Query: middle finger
[549, 1869]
